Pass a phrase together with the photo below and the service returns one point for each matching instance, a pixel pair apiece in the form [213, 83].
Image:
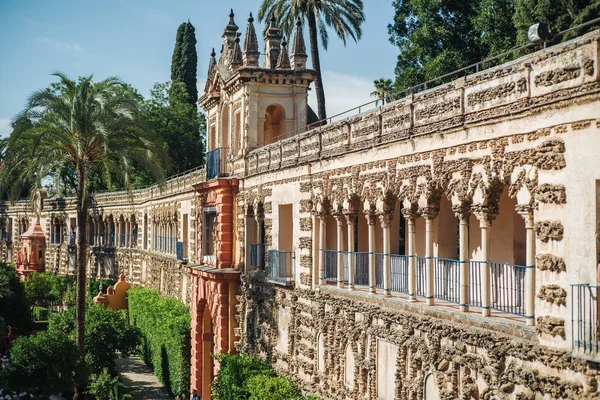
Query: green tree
[557, 14]
[231, 382]
[39, 288]
[84, 125]
[14, 308]
[345, 17]
[264, 387]
[43, 364]
[434, 38]
[383, 88]
[178, 124]
[107, 333]
[184, 63]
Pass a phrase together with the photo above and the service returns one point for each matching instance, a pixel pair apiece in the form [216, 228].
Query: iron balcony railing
[257, 255]
[179, 251]
[280, 268]
[216, 163]
[585, 341]
[507, 281]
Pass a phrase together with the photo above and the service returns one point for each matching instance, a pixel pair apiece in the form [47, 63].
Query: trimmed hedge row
[165, 325]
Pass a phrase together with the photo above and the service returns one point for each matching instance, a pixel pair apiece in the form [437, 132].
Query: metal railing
[330, 266]
[280, 266]
[585, 341]
[399, 273]
[508, 287]
[361, 268]
[421, 276]
[216, 163]
[446, 275]
[257, 255]
[474, 284]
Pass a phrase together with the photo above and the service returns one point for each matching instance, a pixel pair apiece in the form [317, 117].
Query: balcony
[584, 322]
[216, 163]
[506, 288]
[257, 255]
[280, 268]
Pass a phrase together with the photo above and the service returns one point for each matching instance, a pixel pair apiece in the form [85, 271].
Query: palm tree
[383, 88]
[79, 127]
[344, 16]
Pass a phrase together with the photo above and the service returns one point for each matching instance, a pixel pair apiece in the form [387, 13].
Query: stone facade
[424, 250]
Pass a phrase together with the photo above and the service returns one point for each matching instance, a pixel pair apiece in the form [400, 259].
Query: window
[209, 233]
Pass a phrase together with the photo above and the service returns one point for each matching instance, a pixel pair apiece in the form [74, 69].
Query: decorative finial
[213, 54]
[251, 18]
[283, 61]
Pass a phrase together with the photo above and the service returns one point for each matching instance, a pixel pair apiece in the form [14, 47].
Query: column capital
[485, 214]
[429, 212]
[339, 218]
[410, 213]
[386, 219]
[371, 216]
[526, 212]
[350, 216]
[462, 212]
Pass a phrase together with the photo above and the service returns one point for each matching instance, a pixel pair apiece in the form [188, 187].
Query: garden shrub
[234, 372]
[264, 387]
[242, 377]
[43, 364]
[106, 333]
[14, 308]
[165, 328]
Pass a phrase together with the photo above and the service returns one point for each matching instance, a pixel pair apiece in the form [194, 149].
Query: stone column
[386, 220]
[370, 216]
[527, 213]
[409, 216]
[429, 216]
[316, 244]
[339, 218]
[350, 222]
[463, 232]
[485, 224]
[322, 245]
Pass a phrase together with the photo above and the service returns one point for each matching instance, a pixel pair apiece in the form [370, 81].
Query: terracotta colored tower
[33, 247]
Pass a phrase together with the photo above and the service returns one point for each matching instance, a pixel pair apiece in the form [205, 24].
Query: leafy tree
[264, 387]
[494, 26]
[178, 124]
[107, 332]
[39, 288]
[234, 372]
[43, 364]
[557, 14]
[184, 64]
[344, 17]
[383, 88]
[434, 38]
[84, 125]
[14, 308]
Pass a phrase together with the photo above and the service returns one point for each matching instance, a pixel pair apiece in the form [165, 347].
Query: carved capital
[429, 212]
[339, 218]
[485, 213]
[410, 213]
[526, 211]
[385, 219]
[350, 216]
[371, 217]
[462, 212]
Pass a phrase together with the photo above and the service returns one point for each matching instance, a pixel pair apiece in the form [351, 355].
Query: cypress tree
[185, 60]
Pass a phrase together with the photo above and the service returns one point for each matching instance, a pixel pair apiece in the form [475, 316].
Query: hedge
[165, 327]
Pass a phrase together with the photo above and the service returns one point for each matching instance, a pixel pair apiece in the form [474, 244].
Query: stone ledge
[512, 328]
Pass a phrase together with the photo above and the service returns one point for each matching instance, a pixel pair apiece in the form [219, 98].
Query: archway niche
[432, 391]
[274, 124]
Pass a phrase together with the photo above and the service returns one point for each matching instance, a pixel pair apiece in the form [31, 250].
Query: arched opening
[274, 125]
[208, 348]
[349, 367]
[225, 129]
[432, 391]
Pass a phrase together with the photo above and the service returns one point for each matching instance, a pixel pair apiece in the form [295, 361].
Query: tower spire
[299, 56]
[229, 35]
[251, 53]
[211, 69]
[283, 61]
[272, 44]
[235, 61]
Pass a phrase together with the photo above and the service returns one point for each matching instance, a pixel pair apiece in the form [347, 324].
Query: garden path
[141, 383]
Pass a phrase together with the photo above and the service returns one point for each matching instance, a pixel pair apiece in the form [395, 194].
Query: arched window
[274, 123]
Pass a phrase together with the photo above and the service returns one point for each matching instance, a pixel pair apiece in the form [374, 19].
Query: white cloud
[343, 92]
[5, 127]
[74, 49]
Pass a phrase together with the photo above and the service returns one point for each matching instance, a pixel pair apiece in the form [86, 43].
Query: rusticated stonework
[551, 194]
[553, 294]
[549, 230]
[551, 325]
[549, 262]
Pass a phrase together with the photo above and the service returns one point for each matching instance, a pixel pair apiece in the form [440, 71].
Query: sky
[134, 40]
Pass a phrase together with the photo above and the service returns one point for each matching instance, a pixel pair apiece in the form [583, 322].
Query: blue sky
[134, 39]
